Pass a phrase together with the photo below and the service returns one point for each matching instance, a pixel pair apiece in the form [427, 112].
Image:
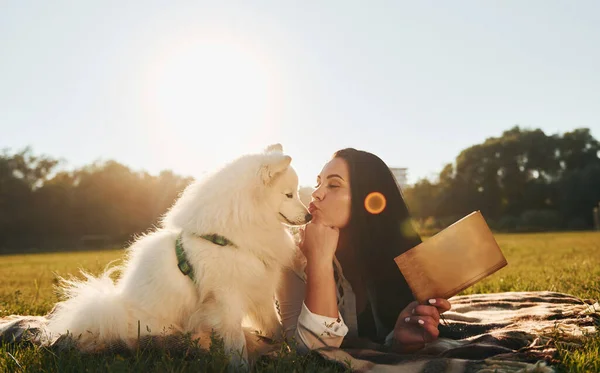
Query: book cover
[452, 260]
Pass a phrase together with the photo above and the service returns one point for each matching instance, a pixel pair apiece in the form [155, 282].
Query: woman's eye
[333, 186]
[289, 195]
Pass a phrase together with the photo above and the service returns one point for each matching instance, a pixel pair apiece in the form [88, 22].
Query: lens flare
[375, 203]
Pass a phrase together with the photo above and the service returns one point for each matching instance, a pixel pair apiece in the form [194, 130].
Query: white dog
[216, 260]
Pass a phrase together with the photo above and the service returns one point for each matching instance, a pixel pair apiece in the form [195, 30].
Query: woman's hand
[418, 324]
[318, 242]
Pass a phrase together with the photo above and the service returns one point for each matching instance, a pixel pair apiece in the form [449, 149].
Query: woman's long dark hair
[379, 238]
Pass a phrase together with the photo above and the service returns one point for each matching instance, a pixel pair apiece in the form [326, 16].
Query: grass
[563, 262]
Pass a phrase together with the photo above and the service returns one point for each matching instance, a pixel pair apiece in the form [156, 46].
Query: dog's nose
[308, 217]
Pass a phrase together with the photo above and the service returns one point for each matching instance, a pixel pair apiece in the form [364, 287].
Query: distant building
[400, 173]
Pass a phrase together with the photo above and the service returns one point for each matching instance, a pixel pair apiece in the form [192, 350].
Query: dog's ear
[274, 148]
[275, 166]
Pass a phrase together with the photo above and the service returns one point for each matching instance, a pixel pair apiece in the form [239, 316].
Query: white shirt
[311, 330]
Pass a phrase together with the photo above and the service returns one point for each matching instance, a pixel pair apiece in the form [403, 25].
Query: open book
[452, 260]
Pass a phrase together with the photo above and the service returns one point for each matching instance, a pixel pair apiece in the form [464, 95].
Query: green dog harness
[183, 263]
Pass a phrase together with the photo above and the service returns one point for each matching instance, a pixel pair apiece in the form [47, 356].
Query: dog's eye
[289, 195]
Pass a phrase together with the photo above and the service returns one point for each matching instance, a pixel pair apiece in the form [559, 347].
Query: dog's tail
[94, 313]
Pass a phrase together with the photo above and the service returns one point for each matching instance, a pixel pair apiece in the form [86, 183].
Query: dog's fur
[249, 201]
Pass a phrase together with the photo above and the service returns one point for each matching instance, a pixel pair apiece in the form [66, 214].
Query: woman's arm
[312, 305]
[318, 244]
[321, 297]
[310, 330]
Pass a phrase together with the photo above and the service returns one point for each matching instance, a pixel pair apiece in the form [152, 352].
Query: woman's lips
[312, 208]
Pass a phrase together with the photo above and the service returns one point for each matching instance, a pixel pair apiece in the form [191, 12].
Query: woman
[347, 287]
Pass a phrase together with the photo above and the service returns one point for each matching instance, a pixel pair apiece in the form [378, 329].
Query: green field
[563, 262]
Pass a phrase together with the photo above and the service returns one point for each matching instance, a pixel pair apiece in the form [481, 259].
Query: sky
[190, 85]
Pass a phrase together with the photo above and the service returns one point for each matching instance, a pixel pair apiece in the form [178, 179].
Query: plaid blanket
[502, 332]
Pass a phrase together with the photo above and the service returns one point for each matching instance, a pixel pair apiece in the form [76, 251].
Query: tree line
[524, 180]
[105, 203]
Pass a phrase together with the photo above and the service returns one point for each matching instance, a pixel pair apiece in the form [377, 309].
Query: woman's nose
[317, 194]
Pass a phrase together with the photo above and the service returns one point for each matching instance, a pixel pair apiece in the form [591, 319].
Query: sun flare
[211, 99]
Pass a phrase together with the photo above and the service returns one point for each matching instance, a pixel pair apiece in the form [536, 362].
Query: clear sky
[187, 85]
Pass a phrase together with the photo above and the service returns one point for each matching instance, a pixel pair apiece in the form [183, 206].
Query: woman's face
[331, 200]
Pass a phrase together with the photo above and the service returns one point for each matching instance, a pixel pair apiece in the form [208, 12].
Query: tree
[520, 171]
[42, 207]
[20, 175]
